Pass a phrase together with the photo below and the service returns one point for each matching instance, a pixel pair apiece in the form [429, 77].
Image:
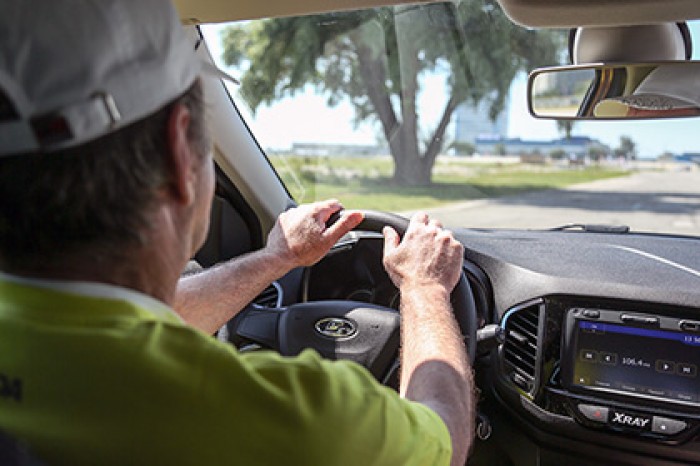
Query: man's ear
[181, 162]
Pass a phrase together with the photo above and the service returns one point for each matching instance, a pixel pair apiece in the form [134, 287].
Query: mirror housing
[616, 91]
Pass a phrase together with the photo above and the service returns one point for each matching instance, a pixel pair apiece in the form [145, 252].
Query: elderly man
[106, 182]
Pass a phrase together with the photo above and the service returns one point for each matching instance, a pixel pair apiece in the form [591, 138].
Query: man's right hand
[435, 371]
[428, 255]
[301, 237]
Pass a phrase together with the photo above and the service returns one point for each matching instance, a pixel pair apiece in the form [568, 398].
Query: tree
[375, 59]
[627, 148]
[597, 153]
[500, 149]
[565, 127]
[463, 148]
[558, 154]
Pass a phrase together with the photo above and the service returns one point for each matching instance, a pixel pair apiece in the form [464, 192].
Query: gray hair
[97, 196]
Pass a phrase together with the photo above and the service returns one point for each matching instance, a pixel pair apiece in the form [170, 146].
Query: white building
[574, 147]
[473, 122]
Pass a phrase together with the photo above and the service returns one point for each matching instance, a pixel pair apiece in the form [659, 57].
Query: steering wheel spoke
[365, 333]
[257, 325]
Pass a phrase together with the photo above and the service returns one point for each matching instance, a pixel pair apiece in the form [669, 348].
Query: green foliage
[597, 153]
[627, 148]
[374, 59]
[565, 127]
[557, 154]
[463, 148]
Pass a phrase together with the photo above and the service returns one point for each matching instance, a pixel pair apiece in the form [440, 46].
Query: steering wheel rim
[462, 298]
[374, 342]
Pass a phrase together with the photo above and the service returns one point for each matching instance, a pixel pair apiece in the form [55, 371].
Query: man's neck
[148, 269]
[152, 267]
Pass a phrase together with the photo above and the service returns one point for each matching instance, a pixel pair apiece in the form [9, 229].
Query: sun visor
[574, 13]
[645, 43]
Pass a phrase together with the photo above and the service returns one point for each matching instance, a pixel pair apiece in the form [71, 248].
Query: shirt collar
[98, 290]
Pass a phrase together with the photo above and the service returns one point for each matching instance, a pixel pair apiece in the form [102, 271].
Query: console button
[666, 426]
[689, 325]
[594, 413]
[685, 396]
[665, 367]
[609, 359]
[640, 320]
[657, 392]
[629, 420]
[589, 355]
[686, 370]
[591, 313]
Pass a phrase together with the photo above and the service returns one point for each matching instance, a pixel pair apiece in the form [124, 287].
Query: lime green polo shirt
[95, 374]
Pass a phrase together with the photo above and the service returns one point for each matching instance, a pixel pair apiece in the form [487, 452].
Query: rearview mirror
[616, 91]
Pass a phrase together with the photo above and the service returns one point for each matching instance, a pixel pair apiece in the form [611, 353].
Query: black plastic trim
[228, 191]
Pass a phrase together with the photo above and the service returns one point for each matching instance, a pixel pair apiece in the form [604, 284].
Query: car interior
[585, 340]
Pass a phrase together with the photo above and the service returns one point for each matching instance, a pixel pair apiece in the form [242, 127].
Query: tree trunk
[414, 168]
[411, 167]
[411, 170]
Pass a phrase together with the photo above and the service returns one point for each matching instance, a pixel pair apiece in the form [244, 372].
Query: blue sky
[306, 118]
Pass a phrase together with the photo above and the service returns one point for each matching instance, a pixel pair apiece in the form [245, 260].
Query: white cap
[672, 86]
[74, 70]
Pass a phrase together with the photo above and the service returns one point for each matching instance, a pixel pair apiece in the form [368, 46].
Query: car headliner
[533, 13]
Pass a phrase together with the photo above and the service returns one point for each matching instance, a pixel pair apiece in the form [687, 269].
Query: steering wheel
[365, 333]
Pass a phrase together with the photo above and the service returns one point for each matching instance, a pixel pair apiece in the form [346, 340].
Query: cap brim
[610, 108]
[620, 107]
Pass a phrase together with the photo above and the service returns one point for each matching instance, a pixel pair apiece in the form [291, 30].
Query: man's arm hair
[210, 298]
[425, 266]
[300, 237]
[435, 370]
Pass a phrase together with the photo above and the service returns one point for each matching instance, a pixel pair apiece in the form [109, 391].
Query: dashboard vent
[270, 296]
[520, 350]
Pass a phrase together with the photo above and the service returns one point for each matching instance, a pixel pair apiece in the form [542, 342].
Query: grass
[365, 182]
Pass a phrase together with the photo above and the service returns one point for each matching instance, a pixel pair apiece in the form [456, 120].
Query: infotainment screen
[644, 362]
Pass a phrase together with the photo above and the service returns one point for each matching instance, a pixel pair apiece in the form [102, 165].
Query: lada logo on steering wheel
[336, 327]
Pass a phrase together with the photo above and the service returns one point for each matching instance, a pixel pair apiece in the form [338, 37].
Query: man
[106, 181]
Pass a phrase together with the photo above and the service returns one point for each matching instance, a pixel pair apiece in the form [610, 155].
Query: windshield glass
[423, 107]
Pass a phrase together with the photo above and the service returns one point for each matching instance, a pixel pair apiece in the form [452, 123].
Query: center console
[615, 367]
[647, 361]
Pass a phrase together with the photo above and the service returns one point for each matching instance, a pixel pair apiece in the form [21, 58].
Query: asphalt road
[646, 201]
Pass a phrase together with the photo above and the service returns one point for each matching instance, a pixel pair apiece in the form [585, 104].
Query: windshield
[423, 107]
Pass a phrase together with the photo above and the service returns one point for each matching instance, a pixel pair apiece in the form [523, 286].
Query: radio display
[652, 363]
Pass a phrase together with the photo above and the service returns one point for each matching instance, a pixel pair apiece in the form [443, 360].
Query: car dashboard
[602, 341]
[601, 351]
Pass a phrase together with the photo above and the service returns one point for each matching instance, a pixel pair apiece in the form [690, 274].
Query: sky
[305, 118]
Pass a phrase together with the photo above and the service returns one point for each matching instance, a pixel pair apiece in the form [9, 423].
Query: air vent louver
[520, 349]
[270, 297]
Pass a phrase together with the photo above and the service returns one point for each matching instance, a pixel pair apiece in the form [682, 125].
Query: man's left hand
[300, 236]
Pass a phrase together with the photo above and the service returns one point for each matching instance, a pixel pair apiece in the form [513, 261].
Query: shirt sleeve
[319, 412]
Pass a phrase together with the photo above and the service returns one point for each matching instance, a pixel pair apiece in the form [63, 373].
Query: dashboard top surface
[523, 265]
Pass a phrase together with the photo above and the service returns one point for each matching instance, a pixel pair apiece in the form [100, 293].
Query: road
[646, 201]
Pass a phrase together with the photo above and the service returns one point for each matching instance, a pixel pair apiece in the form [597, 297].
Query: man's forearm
[434, 367]
[209, 299]
[299, 238]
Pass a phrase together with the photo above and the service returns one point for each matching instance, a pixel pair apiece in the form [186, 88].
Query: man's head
[101, 126]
